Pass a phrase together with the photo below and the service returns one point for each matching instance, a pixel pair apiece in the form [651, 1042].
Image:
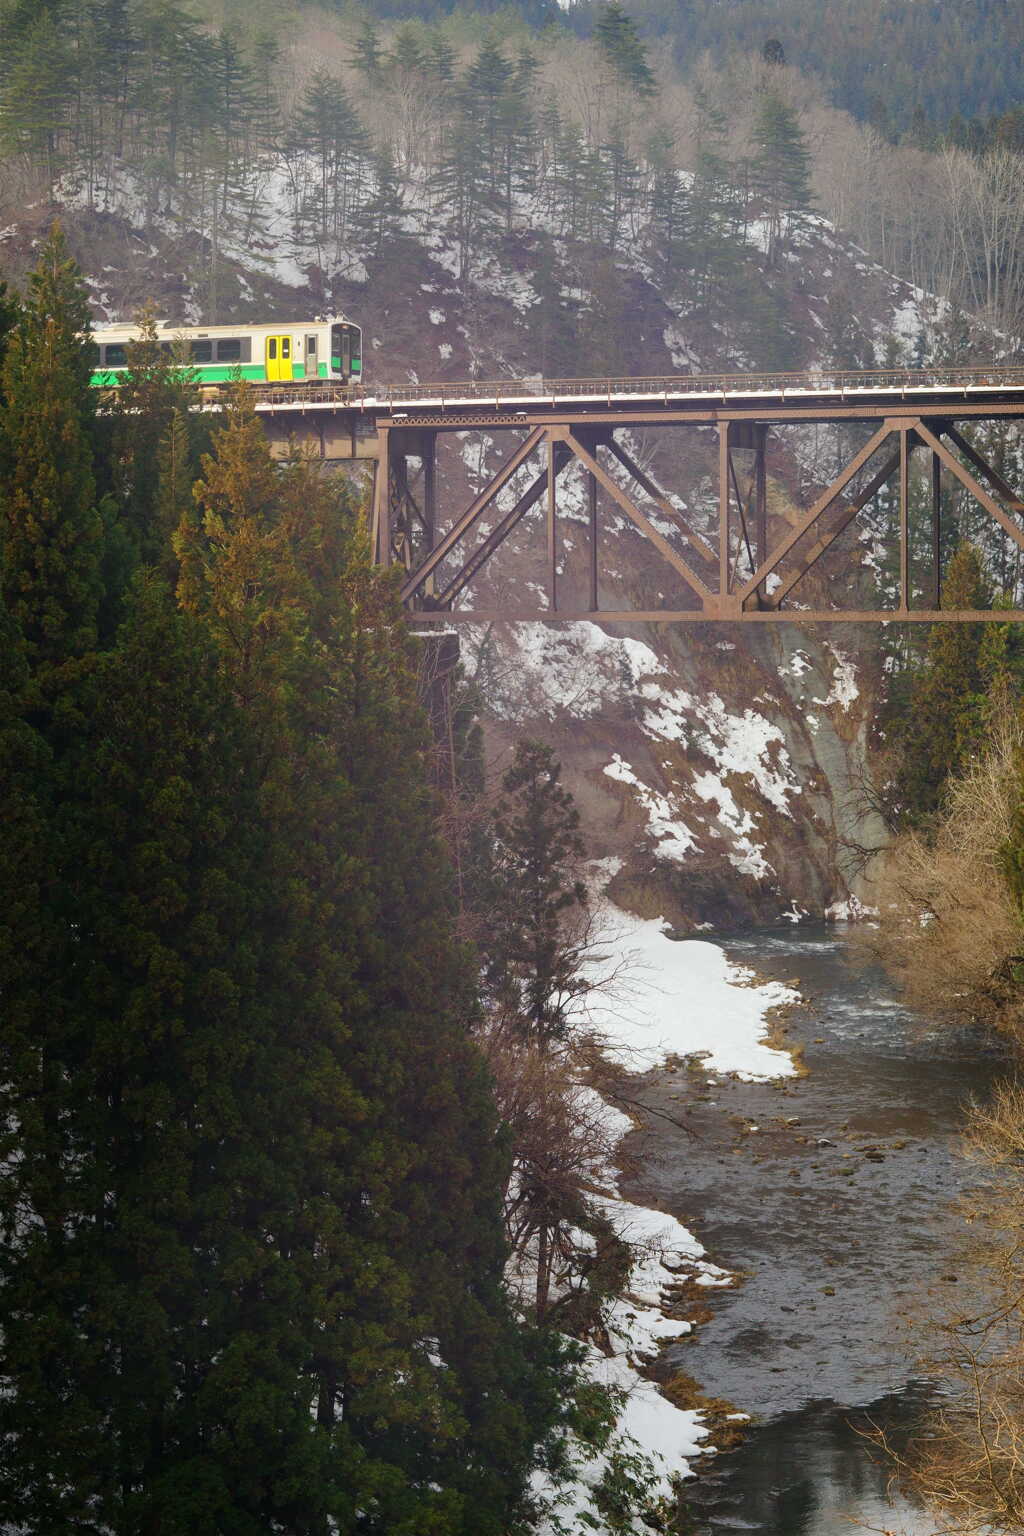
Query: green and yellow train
[294, 354]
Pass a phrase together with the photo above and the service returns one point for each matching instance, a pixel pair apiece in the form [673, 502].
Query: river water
[836, 1210]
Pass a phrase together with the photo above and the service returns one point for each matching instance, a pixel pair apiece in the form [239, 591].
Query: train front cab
[346, 353]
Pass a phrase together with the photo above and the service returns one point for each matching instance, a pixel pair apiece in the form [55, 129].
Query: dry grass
[967, 1464]
[949, 929]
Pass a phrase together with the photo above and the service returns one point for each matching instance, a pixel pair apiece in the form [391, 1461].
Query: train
[298, 354]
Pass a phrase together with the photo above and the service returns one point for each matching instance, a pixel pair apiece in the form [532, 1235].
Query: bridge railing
[512, 392]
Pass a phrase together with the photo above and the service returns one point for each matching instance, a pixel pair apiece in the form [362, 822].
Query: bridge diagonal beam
[969, 483]
[639, 520]
[821, 506]
[479, 505]
[650, 488]
[816, 551]
[999, 485]
[500, 532]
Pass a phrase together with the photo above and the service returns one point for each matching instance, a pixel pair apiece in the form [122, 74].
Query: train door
[278, 357]
[312, 355]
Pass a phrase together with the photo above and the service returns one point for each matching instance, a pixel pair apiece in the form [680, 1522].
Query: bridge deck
[937, 388]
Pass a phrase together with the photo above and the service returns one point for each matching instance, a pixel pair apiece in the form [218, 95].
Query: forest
[278, 1099]
[250, 125]
[301, 1209]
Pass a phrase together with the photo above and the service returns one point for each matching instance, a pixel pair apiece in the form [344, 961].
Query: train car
[296, 353]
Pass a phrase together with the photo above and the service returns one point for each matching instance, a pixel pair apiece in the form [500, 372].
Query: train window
[202, 351]
[94, 355]
[236, 349]
[271, 347]
[167, 347]
[286, 346]
[114, 355]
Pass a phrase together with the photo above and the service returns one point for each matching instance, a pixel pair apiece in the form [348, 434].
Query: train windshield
[345, 358]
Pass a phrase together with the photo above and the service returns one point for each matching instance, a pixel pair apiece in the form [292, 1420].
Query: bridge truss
[748, 571]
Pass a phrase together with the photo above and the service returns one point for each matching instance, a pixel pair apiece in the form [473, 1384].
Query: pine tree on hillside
[50, 530]
[377, 225]
[149, 1334]
[157, 388]
[944, 716]
[780, 168]
[536, 901]
[414, 1332]
[367, 55]
[327, 127]
[37, 93]
[616, 35]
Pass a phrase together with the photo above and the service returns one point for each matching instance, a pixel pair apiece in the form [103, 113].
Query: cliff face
[724, 770]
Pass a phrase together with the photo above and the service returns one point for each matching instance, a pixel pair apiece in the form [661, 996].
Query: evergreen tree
[944, 716]
[378, 225]
[327, 127]
[38, 90]
[616, 35]
[157, 389]
[367, 56]
[780, 169]
[536, 901]
[50, 530]
[407, 1174]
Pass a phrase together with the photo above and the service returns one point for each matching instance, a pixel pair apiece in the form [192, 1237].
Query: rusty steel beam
[936, 593]
[761, 498]
[472, 513]
[994, 478]
[905, 442]
[500, 532]
[979, 493]
[815, 553]
[724, 428]
[658, 496]
[633, 512]
[382, 499]
[822, 505]
[552, 525]
[734, 616]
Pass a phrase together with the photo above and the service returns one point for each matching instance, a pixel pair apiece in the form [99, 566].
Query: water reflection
[838, 1213]
[813, 1473]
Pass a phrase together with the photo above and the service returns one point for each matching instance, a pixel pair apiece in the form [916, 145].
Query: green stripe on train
[212, 373]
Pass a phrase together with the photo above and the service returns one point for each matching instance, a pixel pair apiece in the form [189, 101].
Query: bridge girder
[749, 571]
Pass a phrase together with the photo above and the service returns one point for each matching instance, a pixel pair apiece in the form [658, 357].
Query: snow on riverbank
[669, 999]
[682, 998]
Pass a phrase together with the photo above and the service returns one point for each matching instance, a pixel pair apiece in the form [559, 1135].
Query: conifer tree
[780, 169]
[157, 388]
[944, 716]
[377, 224]
[616, 35]
[405, 1182]
[50, 530]
[536, 900]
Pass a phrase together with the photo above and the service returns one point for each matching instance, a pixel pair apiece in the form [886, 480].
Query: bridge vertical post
[429, 459]
[382, 498]
[936, 531]
[760, 498]
[904, 518]
[724, 466]
[592, 521]
[552, 508]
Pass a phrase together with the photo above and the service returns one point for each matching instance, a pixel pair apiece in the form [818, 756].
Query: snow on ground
[578, 670]
[670, 998]
[682, 998]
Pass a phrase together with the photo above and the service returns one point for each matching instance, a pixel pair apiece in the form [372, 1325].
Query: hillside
[726, 773]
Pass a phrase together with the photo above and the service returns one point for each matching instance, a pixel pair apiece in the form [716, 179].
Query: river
[831, 1195]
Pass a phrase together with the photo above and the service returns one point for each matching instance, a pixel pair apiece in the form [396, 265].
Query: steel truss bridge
[746, 572]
